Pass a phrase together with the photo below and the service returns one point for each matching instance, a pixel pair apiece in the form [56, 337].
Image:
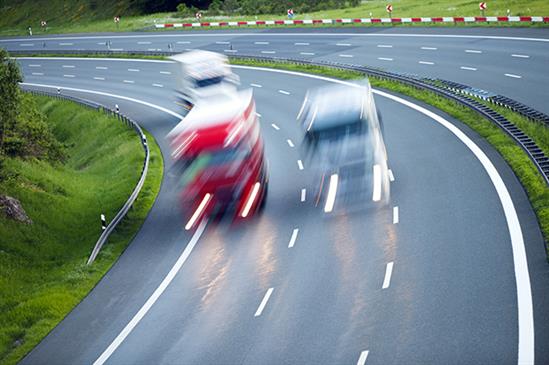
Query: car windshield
[209, 81]
[340, 130]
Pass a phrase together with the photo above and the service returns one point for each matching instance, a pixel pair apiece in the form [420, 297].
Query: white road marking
[165, 72]
[384, 59]
[307, 53]
[284, 92]
[121, 49]
[300, 164]
[303, 194]
[332, 190]
[346, 55]
[426, 63]
[343, 44]
[391, 176]
[68, 66]
[69, 76]
[468, 68]
[198, 212]
[38, 74]
[395, 215]
[293, 238]
[153, 298]
[35, 66]
[520, 55]
[376, 193]
[385, 46]
[230, 50]
[362, 358]
[429, 48]
[388, 273]
[183, 42]
[143, 42]
[256, 85]
[301, 44]
[290, 143]
[275, 126]
[472, 51]
[101, 43]
[263, 303]
[101, 68]
[133, 70]
[99, 78]
[259, 115]
[261, 42]
[222, 42]
[514, 76]
[129, 81]
[26, 45]
[158, 85]
[268, 52]
[66, 44]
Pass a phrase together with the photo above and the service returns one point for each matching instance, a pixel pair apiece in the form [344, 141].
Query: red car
[220, 151]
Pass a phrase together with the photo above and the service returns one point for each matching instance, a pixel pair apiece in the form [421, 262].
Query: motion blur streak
[330, 200]
[376, 195]
[198, 211]
[250, 201]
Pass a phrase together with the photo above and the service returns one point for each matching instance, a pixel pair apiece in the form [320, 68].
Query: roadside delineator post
[103, 222]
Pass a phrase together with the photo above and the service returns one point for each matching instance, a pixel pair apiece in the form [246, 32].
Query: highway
[430, 278]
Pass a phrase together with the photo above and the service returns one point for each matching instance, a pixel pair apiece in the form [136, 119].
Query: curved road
[430, 281]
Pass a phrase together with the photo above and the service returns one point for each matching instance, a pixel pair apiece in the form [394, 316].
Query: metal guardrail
[133, 197]
[447, 89]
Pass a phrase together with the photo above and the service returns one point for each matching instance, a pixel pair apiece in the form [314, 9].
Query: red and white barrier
[465, 19]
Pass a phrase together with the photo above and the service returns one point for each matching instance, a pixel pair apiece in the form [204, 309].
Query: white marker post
[103, 222]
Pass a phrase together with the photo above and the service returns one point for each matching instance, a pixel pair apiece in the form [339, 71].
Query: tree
[10, 76]
[215, 7]
[230, 6]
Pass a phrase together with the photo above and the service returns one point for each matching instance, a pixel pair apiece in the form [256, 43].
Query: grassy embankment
[523, 167]
[43, 271]
[81, 16]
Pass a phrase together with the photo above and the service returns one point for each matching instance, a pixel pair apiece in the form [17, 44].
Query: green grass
[78, 17]
[43, 271]
[523, 167]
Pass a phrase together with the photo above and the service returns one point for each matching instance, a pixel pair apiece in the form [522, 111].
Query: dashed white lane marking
[222, 42]
[133, 70]
[121, 49]
[293, 238]
[388, 273]
[520, 55]
[263, 303]
[261, 42]
[362, 358]
[255, 85]
[35, 66]
[468, 68]
[303, 194]
[514, 76]
[38, 74]
[101, 68]
[153, 298]
[143, 42]
[259, 115]
[385, 46]
[332, 191]
[69, 76]
[290, 143]
[384, 59]
[426, 63]
[343, 44]
[101, 43]
[230, 50]
[429, 48]
[129, 81]
[165, 72]
[307, 53]
[99, 78]
[472, 51]
[284, 92]
[26, 44]
[300, 164]
[183, 42]
[391, 176]
[151, 49]
[301, 44]
[275, 126]
[68, 66]
[346, 55]
[395, 215]
[158, 85]
[268, 52]
[66, 44]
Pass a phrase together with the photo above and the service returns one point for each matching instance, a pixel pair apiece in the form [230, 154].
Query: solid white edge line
[153, 298]
[388, 274]
[263, 303]
[293, 238]
[395, 215]
[332, 191]
[362, 358]
[303, 194]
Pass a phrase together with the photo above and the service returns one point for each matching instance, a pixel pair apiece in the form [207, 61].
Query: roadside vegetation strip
[522, 166]
[43, 271]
